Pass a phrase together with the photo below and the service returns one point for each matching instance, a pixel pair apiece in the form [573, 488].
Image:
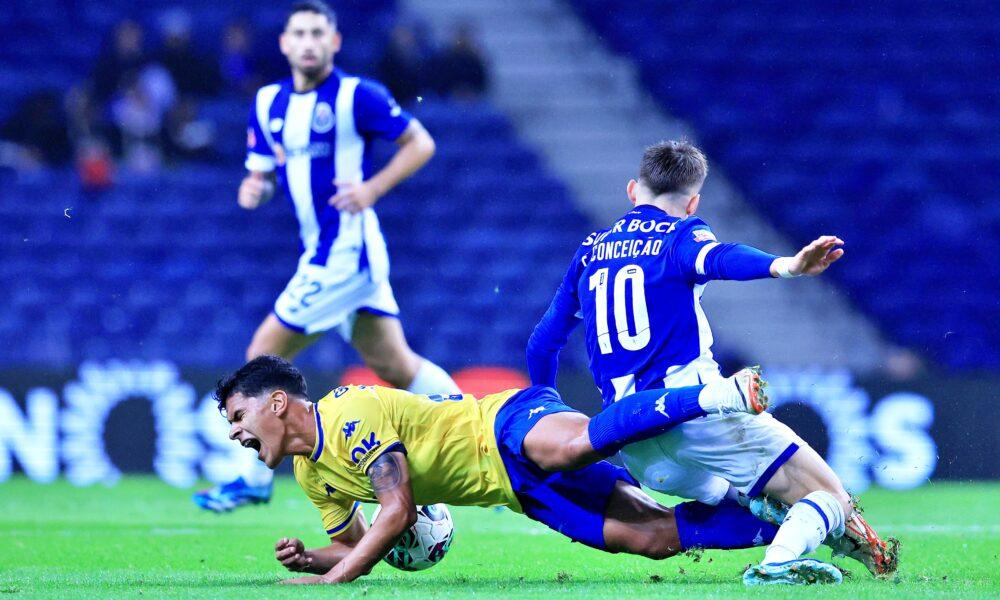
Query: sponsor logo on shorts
[535, 411]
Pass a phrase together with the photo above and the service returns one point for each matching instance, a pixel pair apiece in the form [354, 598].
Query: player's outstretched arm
[390, 479]
[810, 260]
[255, 189]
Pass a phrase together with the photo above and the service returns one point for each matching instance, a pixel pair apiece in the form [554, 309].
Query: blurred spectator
[39, 130]
[93, 165]
[120, 60]
[403, 68]
[237, 66]
[460, 69]
[194, 73]
[902, 364]
[187, 136]
[138, 115]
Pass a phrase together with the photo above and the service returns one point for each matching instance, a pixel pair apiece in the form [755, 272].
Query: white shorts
[318, 299]
[699, 459]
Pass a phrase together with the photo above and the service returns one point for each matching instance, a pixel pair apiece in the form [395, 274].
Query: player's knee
[392, 369]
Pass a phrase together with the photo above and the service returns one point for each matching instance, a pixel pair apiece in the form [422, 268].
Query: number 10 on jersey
[628, 275]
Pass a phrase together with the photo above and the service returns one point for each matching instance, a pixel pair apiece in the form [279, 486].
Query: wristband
[782, 264]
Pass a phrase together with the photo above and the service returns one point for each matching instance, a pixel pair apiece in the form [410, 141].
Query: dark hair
[314, 6]
[673, 166]
[263, 374]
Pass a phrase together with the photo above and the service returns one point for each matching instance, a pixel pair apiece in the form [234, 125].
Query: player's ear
[630, 189]
[337, 40]
[692, 206]
[282, 45]
[278, 402]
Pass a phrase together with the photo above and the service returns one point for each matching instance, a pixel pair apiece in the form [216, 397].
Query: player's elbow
[427, 145]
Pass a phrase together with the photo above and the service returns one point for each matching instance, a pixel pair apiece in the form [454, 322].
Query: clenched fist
[255, 189]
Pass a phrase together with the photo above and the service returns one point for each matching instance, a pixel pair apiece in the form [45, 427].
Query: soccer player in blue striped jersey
[312, 134]
[637, 288]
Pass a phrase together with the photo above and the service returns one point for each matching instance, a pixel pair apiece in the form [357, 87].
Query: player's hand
[310, 580]
[817, 256]
[255, 189]
[353, 196]
[291, 553]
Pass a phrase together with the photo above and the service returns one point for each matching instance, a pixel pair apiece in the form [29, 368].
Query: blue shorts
[570, 502]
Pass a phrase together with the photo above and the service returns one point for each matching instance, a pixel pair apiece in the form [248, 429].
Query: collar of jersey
[335, 75]
[319, 435]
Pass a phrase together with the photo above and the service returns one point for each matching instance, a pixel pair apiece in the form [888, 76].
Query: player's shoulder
[695, 228]
[266, 94]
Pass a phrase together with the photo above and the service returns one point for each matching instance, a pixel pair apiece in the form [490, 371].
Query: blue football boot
[230, 496]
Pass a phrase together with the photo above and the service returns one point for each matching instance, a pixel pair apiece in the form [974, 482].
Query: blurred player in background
[637, 286]
[313, 133]
[523, 449]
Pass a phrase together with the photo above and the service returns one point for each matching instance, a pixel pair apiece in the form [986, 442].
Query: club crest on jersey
[703, 235]
[322, 118]
[349, 428]
[337, 393]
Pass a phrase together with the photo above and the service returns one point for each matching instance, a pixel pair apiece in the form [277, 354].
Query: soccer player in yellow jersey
[523, 449]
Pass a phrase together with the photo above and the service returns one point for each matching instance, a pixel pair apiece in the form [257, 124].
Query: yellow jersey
[449, 441]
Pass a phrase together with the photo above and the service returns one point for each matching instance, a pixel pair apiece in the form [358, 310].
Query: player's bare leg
[273, 337]
[636, 524]
[382, 345]
[821, 510]
[806, 471]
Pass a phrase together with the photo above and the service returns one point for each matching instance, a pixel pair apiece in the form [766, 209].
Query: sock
[257, 474]
[720, 395]
[807, 524]
[641, 416]
[432, 379]
[726, 526]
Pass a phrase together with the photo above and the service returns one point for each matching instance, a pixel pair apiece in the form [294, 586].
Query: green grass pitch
[142, 537]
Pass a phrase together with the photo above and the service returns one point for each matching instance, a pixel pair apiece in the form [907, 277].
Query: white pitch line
[931, 528]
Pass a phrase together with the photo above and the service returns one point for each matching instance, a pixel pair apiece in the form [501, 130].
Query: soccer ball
[425, 543]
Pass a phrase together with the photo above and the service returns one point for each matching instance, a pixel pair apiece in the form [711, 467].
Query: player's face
[255, 423]
[309, 43]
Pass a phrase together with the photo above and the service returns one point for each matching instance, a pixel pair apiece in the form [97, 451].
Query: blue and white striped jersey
[637, 288]
[316, 137]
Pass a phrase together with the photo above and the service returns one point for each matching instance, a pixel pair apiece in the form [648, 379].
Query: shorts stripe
[346, 522]
[294, 328]
[772, 469]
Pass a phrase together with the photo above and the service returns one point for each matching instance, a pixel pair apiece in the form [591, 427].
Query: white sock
[717, 394]
[257, 474]
[807, 524]
[432, 379]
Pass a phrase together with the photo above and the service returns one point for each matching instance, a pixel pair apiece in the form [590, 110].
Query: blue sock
[641, 416]
[726, 526]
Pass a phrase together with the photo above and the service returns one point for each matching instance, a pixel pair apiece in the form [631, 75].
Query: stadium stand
[165, 265]
[871, 120]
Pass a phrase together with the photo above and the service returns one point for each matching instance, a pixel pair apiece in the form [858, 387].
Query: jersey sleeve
[376, 113]
[372, 433]
[552, 331]
[260, 156]
[337, 513]
[701, 257]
